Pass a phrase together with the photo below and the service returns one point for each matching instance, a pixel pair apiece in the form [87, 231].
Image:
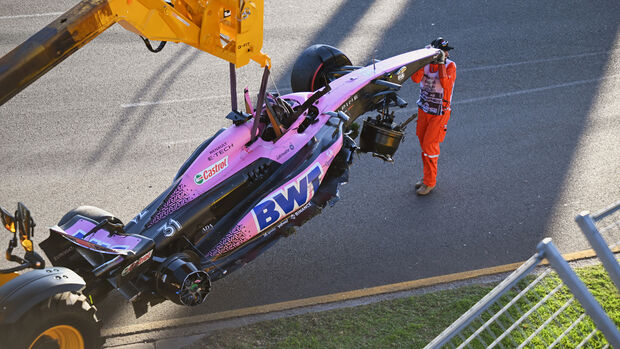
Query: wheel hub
[65, 336]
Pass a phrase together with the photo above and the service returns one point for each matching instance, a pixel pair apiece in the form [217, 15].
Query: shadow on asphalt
[133, 120]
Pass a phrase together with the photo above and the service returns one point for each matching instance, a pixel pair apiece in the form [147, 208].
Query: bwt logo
[285, 201]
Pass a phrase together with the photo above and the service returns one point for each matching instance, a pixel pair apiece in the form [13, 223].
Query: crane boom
[229, 29]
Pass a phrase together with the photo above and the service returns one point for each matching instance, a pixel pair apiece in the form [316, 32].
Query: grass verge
[408, 322]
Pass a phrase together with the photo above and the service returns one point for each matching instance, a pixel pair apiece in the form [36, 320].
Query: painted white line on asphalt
[463, 101]
[32, 15]
[538, 89]
[413, 107]
[185, 141]
[365, 34]
[146, 104]
[544, 60]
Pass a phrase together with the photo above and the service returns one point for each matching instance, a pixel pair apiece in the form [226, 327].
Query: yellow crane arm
[229, 29]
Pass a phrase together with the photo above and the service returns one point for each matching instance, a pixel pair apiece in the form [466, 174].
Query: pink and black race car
[279, 163]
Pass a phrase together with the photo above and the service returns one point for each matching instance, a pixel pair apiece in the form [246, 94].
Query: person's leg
[430, 154]
[434, 134]
[420, 131]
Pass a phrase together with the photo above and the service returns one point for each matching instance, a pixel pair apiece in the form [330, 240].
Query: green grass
[414, 321]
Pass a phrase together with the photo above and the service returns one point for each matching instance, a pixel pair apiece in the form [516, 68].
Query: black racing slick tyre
[312, 70]
[65, 320]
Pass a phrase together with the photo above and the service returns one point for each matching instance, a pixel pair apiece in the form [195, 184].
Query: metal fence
[603, 232]
[534, 308]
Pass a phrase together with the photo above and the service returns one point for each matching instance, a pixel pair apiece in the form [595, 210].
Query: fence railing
[543, 308]
[604, 224]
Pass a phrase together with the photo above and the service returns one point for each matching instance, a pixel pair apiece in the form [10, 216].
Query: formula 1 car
[279, 164]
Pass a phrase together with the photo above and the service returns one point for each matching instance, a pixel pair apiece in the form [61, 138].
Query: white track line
[463, 101]
[372, 27]
[544, 60]
[32, 15]
[471, 100]
[538, 89]
[413, 107]
[185, 141]
[146, 104]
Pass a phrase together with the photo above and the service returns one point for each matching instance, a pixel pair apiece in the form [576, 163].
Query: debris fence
[545, 306]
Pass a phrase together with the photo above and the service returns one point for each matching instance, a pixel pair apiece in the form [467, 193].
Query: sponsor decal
[63, 253]
[401, 73]
[293, 196]
[290, 147]
[349, 103]
[293, 216]
[219, 150]
[207, 228]
[136, 263]
[210, 172]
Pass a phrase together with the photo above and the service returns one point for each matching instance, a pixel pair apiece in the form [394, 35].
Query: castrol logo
[211, 171]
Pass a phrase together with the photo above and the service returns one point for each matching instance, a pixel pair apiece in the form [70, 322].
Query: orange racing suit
[436, 85]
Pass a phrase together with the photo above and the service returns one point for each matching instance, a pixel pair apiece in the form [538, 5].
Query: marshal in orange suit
[436, 84]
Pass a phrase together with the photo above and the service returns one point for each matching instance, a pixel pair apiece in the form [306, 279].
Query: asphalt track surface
[533, 139]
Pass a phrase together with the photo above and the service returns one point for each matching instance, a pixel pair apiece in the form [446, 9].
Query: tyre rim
[67, 337]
